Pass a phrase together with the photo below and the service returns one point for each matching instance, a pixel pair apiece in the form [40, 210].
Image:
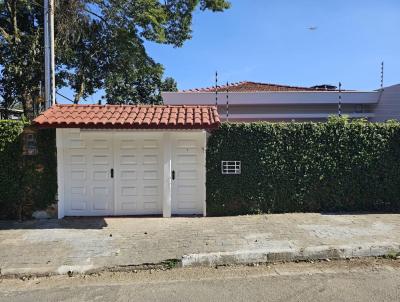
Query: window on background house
[359, 108]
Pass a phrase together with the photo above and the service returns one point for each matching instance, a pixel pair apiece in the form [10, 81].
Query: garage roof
[129, 116]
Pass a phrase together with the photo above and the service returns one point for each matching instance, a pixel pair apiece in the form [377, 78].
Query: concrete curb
[11, 273]
[291, 254]
[222, 258]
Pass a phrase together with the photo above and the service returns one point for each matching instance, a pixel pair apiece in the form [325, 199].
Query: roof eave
[126, 126]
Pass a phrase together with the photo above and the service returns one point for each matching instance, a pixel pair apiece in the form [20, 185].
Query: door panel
[138, 179]
[100, 164]
[126, 148]
[188, 185]
[88, 184]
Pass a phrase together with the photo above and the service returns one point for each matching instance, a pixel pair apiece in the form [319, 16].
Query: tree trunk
[80, 91]
[12, 7]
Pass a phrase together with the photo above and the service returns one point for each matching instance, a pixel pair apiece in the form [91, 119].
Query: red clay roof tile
[247, 86]
[129, 116]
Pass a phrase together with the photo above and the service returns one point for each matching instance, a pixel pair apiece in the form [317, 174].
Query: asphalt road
[360, 280]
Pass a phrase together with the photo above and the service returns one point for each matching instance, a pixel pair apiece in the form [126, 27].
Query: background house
[10, 113]
[251, 101]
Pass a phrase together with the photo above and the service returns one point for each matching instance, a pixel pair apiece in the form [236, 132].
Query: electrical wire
[65, 97]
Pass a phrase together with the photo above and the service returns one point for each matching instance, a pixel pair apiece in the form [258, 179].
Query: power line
[37, 3]
[65, 97]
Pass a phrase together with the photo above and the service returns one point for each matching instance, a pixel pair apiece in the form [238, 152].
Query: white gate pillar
[60, 173]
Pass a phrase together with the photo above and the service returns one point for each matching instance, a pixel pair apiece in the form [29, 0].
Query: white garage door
[122, 172]
[112, 173]
[138, 173]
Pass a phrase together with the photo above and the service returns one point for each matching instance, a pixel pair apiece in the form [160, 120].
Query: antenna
[216, 88]
[340, 100]
[382, 71]
[227, 101]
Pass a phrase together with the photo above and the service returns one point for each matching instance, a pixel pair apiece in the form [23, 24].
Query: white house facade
[250, 101]
[130, 160]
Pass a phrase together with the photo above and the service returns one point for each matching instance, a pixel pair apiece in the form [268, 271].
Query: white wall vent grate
[231, 167]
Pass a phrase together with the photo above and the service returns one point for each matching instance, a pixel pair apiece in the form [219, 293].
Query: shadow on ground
[80, 223]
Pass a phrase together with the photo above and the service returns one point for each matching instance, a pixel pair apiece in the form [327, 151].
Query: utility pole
[49, 58]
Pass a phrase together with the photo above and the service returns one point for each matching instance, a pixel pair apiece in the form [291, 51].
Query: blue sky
[269, 41]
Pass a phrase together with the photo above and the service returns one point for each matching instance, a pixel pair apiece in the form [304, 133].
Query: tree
[20, 54]
[99, 45]
[169, 84]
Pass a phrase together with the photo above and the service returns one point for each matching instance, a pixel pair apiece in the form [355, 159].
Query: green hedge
[340, 165]
[27, 183]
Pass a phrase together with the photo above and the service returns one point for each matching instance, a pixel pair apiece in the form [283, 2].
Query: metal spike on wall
[216, 88]
[227, 101]
[340, 100]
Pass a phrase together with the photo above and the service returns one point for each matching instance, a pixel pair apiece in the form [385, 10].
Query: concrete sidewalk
[90, 244]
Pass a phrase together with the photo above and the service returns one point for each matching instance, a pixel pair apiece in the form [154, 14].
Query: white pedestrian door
[188, 174]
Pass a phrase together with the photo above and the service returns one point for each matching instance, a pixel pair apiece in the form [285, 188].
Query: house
[11, 113]
[251, 101]
[130, 160]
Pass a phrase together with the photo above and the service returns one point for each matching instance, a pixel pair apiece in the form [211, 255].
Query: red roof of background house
[129, 116]
[255, 87]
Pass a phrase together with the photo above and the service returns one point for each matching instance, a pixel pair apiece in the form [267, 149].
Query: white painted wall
[60, 173]
[296, 105]
[289, 116]
[388, 106]
[279, 98]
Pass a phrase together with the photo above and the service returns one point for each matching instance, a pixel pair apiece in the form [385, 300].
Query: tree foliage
[20, 53]
[99, 45]
[27, 182]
